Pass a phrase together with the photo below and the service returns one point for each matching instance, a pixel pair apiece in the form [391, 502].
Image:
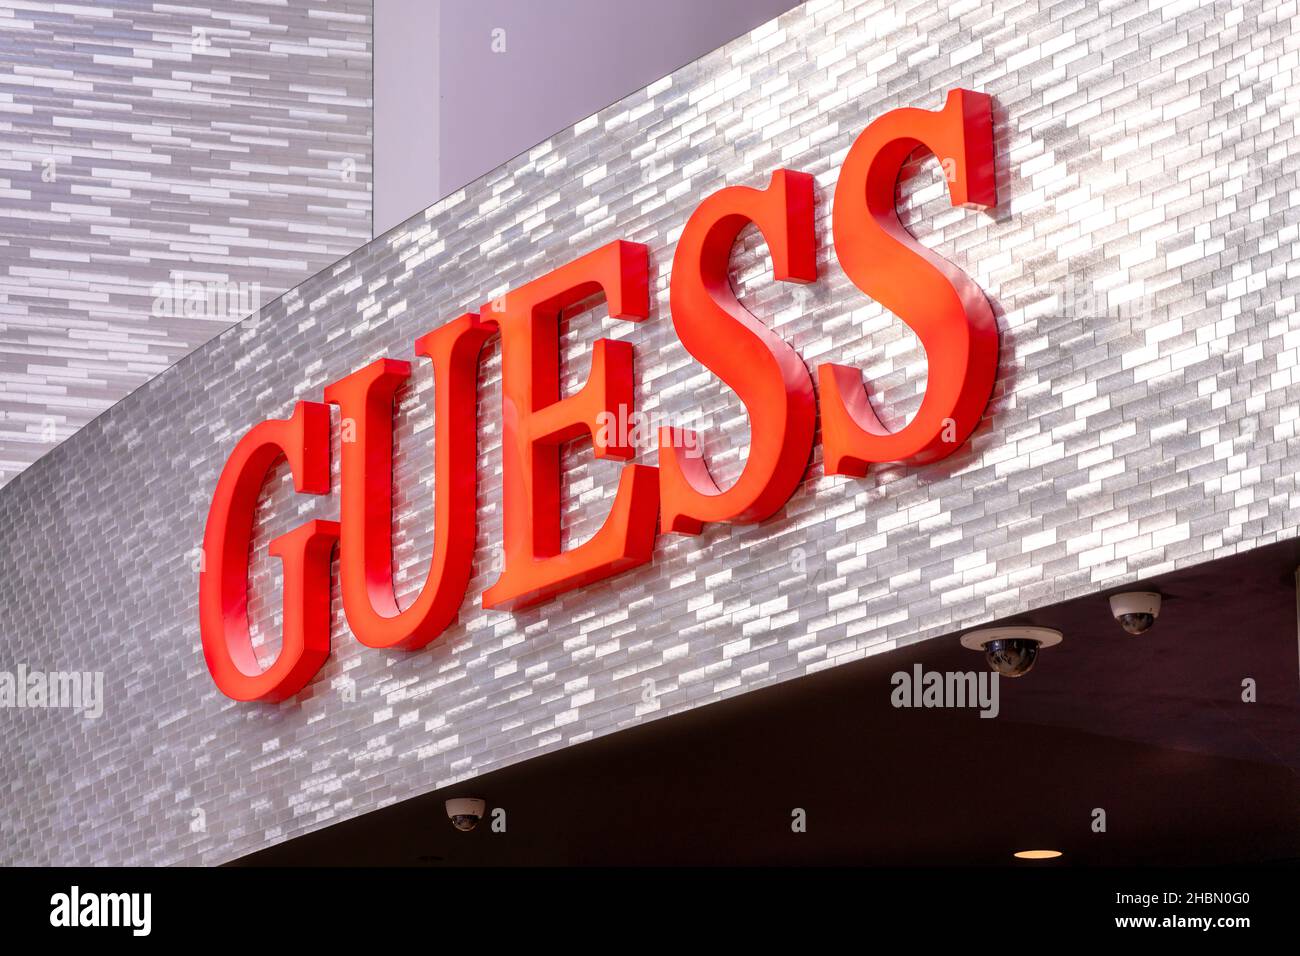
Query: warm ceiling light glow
[1037, 854]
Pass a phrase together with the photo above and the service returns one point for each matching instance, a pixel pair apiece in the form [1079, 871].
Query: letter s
[942, 305]
[767, 374]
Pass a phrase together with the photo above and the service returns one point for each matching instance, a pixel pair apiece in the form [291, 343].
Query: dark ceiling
[1151, 729]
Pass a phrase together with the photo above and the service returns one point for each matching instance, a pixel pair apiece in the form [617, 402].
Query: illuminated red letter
[365, 400]
[536, 421]
[943, 306]
[767, 374]
[304, 552]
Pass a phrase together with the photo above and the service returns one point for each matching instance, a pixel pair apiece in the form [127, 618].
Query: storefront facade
[1138, 262]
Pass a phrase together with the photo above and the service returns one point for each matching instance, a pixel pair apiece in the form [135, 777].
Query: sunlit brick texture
[140, 142]
[1144, 422]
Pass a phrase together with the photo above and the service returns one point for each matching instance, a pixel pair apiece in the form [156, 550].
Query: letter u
[365, 400]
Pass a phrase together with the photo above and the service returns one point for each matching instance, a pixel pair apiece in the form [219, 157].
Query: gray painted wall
[463, 85]
[1146, 157]
[408, 96]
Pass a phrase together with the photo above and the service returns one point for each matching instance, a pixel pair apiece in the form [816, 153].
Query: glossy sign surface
[942, 305]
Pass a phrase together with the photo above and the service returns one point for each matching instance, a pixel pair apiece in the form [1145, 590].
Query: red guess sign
[944, 307]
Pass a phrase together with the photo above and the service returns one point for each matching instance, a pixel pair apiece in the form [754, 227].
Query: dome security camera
[1011, 651]
[1136, 611]
[466, 812]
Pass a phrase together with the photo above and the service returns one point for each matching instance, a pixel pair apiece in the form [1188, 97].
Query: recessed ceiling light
[1037, 854]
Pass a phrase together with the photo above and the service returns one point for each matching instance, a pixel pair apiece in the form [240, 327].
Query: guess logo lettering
[945, 308]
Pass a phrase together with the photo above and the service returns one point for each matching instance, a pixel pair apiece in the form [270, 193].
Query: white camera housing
[1011, 650]
[1136, 611]
[466, 812]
